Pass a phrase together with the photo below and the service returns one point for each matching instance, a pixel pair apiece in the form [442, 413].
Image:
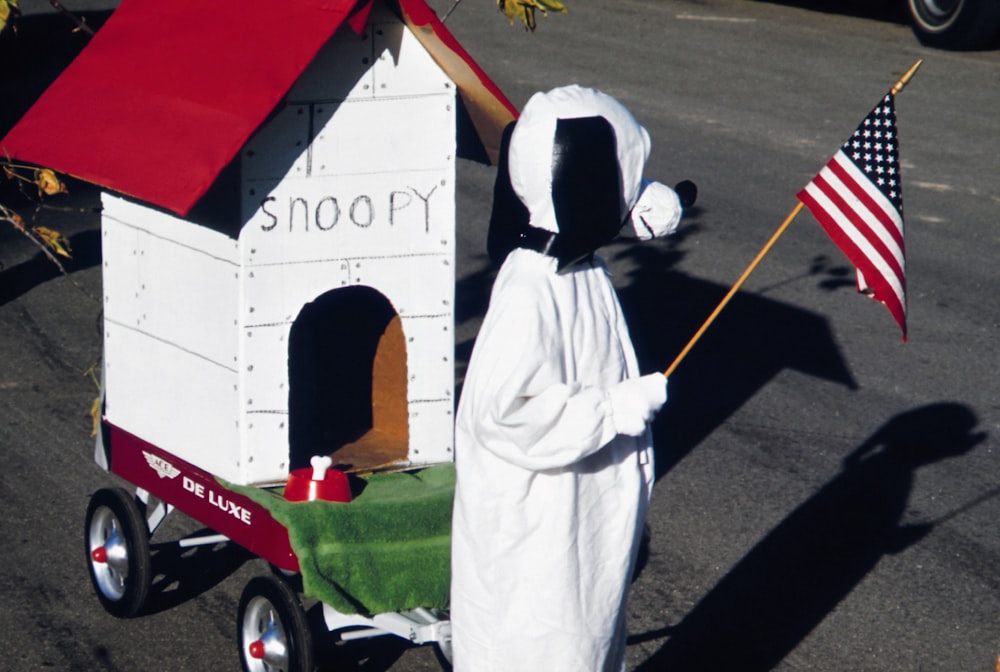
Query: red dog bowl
[318, 483]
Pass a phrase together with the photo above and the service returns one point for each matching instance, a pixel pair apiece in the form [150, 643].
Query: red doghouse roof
[167, 93]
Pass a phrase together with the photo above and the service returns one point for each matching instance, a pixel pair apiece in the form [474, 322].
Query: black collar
[539, 240]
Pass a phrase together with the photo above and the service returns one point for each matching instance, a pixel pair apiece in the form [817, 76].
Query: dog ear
[509, 217]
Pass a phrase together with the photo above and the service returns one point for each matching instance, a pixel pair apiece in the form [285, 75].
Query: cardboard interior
[387, 442]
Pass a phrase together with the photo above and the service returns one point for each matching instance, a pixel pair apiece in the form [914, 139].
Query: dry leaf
[95, 415]
[8, 10]
[57, 241]
[47, 181]
[525, 10]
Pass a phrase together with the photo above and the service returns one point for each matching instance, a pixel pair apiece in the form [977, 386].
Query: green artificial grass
[387, 550]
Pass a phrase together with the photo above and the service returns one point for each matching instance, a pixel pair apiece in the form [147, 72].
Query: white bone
[320, 463]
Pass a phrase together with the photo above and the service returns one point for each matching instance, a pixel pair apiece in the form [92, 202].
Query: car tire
[955, 24]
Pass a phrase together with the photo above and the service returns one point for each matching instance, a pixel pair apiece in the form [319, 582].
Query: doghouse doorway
[347, 382]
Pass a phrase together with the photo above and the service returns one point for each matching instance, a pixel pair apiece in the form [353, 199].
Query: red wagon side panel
[201, 496]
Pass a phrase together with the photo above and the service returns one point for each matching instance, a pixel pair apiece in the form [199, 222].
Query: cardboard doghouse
[278, 225]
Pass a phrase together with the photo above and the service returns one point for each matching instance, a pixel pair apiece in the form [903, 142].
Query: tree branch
[80, 23]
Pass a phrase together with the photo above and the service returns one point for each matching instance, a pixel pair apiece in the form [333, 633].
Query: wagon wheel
[273, 633]
[117, 542]
[293, 579]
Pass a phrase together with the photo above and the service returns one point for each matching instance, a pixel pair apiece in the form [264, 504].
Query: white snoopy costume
[553, 453]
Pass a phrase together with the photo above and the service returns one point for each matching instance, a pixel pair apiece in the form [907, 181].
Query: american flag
[858, 199]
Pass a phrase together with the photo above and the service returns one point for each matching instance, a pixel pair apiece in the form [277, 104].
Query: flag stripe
[862, 219]
[874, 200]
[873, 282]
[881, 278]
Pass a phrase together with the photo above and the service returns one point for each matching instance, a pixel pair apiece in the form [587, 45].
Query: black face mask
[586, 193]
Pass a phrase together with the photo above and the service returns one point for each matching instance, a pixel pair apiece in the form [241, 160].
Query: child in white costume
[553, 451]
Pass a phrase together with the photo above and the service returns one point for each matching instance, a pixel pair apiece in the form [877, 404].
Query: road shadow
[796, 575]
[890, 11]
[182, 574]
[377, 654]
[372, 654]
[753, 340]
[25, 276]
[33, 55]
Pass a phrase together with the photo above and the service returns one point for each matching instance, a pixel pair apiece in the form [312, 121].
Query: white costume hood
[551, 182]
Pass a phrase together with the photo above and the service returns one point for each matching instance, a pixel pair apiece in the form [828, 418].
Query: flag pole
[896, 88]
[735, 288]
[905, 79]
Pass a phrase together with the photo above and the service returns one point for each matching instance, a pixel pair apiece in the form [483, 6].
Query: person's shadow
[754, 339]
[787, 584]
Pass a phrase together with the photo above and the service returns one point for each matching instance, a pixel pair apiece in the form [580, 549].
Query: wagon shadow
[374, 654]
[182, 574]
[378, 654]
[796, 575]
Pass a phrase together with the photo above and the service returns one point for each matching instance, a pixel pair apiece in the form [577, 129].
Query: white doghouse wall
[350, 183]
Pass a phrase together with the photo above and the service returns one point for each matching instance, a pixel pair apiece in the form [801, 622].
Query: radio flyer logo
[163, 468]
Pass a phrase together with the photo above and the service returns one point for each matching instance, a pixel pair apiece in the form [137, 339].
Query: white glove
[635, 401]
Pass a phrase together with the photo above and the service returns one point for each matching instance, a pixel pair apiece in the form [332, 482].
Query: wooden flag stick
[905, 79]
[735, 288]
[896, 88]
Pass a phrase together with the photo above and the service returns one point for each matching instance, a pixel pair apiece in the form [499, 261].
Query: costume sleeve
[526, 409]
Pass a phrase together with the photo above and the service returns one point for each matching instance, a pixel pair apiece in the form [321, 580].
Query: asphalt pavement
[828, 496]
